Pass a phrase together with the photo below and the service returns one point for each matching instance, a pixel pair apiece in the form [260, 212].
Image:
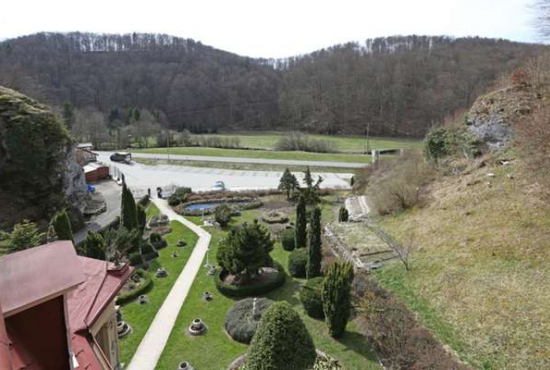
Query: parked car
[124, 157]
[219, 186]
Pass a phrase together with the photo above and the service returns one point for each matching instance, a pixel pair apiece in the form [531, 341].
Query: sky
[276, 28]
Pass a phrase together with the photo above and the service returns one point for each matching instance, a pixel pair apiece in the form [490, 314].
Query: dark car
[124, 157]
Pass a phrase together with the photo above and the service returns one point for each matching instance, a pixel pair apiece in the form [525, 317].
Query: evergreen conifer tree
[128, 216]
[315, 254]
[62, 226]
[301, 223]
[337, 297]
[281, 341]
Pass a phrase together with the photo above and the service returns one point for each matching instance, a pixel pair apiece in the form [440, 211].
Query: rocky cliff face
[492, 116]
[38, 171]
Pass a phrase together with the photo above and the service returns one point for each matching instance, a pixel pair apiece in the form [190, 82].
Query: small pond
[201, 206]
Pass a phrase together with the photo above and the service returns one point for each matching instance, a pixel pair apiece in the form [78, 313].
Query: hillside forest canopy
[393, 86]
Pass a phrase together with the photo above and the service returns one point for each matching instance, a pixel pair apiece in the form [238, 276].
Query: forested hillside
[392, 86]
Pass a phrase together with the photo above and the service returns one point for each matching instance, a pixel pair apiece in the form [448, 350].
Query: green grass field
[340, 143]
[264, 154]
[241, 166]
[140, 316]
[215, 350]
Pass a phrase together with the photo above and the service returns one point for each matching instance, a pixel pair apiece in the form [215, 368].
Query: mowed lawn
[340, 143]
[140, 316]
[216, 350]
[263, 154]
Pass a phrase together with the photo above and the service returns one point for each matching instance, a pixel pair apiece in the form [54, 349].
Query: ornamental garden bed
[270, 278]
[201, 207]
[139, 284]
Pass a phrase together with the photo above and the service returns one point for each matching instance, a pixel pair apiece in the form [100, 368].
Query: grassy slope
[140, 317]
[480, 273]
[263, 154]
[340, 143]
[216, 350]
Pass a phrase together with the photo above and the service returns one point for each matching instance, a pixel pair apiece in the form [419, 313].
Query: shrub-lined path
[152, 345]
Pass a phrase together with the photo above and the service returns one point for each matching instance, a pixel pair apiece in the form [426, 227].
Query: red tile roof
[37, 274]
[5, 353]
[87, 302]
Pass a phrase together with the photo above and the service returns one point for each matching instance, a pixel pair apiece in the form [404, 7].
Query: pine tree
[288, 182]
[337, 297]
[315, 254]
[281, 341]
[62, 226]
[128, 217]
[95, 246]
[301, 223]
[24, 235]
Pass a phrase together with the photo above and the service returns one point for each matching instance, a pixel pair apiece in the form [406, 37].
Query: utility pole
[168, 142]
[368, 136]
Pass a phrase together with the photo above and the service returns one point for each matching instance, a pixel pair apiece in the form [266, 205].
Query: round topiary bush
[297, 261]
[275, 217]
[281, 341]
[241, 321]
[312, 299]
[287, 240]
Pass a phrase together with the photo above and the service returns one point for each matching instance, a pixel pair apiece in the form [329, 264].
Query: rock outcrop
[492, 116]
[38, 171]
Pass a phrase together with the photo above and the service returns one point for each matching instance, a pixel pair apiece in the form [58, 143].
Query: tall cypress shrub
[337, 297]
[95, 246]
[128, 216]
[315, 254]
[62, 226]
[141, 218]
[301, 223]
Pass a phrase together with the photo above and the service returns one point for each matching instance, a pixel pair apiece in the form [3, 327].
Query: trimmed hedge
[240, 323]
[148, 252]
[297, 262]
[142, 289]
[239, 291]
[136, 259]
[312, 298]
[157, 241]
[287, 240]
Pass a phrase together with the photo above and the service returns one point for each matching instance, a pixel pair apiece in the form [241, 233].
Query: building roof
[5, 352]
[35, 275]
[88, 300]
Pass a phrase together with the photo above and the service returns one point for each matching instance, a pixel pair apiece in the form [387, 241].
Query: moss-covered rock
[38, 174]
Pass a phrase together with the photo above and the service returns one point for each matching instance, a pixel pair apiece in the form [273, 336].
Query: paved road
[204, 158]
[111, 192]
[141, 177]
[154, 341]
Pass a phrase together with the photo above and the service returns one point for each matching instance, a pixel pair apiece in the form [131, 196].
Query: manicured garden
[140, 316]
[216, 350]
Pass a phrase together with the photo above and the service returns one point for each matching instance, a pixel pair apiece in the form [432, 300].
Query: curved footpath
[152, 344]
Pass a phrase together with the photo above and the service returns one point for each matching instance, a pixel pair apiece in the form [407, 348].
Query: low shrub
[287, 240]
[179, 196]
[311, 297]
[136, 259]
[148, 251]
[297, 261]
[302, 142]
[141, 289]
[243, 318]
[254, 289]
[222, 214]
[157, 241]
